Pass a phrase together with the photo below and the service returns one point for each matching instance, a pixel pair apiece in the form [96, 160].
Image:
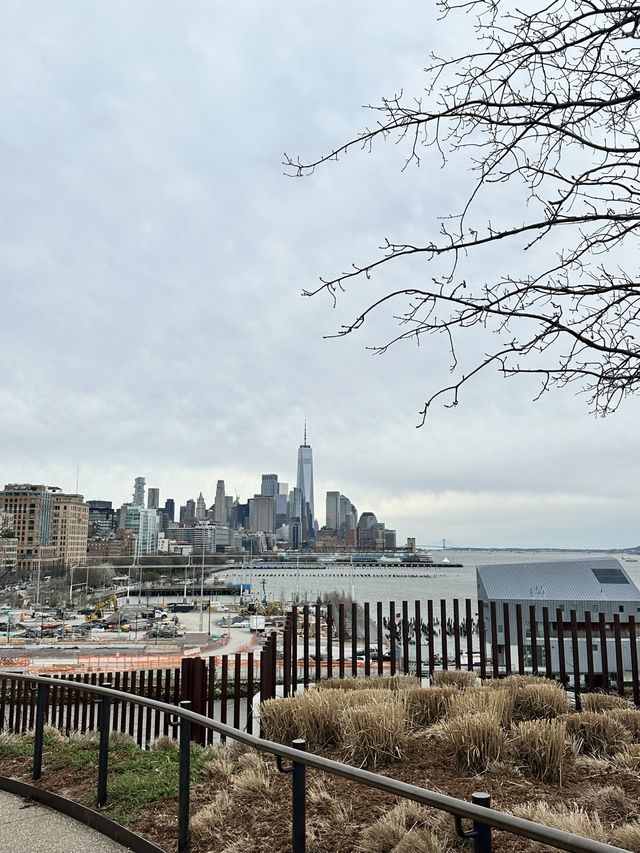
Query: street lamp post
[72, 567]
[201, 584]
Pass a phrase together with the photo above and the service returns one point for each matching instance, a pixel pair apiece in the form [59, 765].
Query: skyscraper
[153, 498]
[305, 474]
[333, 510]
[201, 508]
[170, 509]
[138, 491]
[220, 515]
[269, 484]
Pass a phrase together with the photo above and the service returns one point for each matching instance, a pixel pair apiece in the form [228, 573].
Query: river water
[393, 582]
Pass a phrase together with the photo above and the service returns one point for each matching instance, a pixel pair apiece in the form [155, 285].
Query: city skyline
[158, 253]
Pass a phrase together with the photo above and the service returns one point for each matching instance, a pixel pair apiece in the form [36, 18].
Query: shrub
[627, 836]
[374, 734]
[540, 700]
[603, 702]
[540, 745]
[426, 705]
[458, 678]
[597, 734]
[475, 739]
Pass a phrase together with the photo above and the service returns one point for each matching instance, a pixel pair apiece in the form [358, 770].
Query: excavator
[97, 613]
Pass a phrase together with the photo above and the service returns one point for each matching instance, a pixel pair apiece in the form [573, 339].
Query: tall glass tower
[305, 474]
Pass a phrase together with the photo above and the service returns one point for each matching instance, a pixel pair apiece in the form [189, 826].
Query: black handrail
[480, 815]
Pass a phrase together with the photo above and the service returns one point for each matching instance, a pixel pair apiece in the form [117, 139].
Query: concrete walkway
[28, 827]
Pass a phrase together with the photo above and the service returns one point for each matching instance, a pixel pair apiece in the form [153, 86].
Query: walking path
[28, 827]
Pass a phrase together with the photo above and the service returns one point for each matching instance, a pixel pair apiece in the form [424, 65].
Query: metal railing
[482, 817]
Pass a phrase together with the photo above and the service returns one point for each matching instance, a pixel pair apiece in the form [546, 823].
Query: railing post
[482, 839]
[41, 711]
[184, 835]
[481, 832]
[103, 756]
[299, 804]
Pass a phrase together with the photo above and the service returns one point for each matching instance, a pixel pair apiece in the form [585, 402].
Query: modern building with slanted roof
[591, 586]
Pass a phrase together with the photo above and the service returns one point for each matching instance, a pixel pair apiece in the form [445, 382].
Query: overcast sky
[153, 255]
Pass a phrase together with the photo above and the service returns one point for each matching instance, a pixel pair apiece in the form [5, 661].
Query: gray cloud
[152, 255]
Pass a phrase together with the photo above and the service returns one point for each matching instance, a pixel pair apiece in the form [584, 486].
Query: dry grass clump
[599, 702]
[630, 719]
[399, 682]
[222, 764]
[387, 832]
[540, 746]
[560, 816]
[52, 735]
[368, 697]
[539, 700]
[313, 715]
[346, 684]
[426, 705]
[419, 841]
[252, 783]
[85, 740]
[374, 734]
[597, 734]
[458, 678]
[164, 743]
[479, 700]
[627, 836]
[206, 823]
[629, 758]
[612, 804]
[476, 740]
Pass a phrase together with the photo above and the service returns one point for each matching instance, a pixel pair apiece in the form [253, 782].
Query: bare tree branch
[550, 101]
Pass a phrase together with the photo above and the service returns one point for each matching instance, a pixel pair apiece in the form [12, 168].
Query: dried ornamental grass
[419, 841]
[600, 702]
[165, 743]
[251, 784]
[540, 746]
[540, 701]
[374, 734]
[627, 836]
[426, 705]
[629, 758]
[476, 740]
[567, 818]
[597, 734]
[458, 678]
[207, 822]
[612, 804]
[389, 830]
[497, 703]
[346, 684]
[278, 719]
[313, 715]
[630, 719]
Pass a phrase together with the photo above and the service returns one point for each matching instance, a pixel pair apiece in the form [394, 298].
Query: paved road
[27, 827]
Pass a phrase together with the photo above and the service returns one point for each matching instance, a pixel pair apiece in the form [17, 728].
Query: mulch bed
[266, 821]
